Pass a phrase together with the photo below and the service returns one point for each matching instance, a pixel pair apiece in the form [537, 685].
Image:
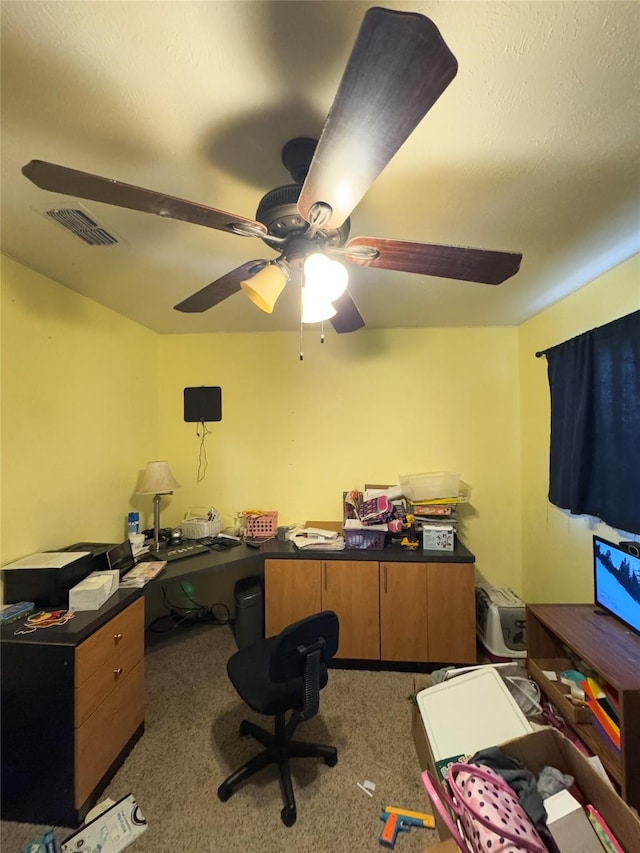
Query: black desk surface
[252, 559]
[247, 561]
[77, 629]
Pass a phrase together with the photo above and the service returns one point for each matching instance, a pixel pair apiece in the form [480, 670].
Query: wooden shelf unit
[556, 632]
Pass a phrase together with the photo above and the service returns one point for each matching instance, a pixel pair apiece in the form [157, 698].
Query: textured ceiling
[533, 148]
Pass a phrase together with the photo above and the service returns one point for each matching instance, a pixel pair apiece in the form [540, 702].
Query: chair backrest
[301, 653]
[297, 640]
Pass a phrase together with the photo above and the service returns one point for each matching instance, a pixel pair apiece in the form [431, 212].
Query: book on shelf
[142, 573]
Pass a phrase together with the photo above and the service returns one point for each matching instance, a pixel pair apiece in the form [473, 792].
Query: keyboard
[185, 549]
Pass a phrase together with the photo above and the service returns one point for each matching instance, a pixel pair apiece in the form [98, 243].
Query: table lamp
[157, 480]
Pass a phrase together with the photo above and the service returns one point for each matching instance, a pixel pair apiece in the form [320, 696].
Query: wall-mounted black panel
[203, 404]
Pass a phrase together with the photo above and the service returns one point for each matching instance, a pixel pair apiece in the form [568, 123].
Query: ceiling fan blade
[60, 179]
[348, 318]
[481, 265]
[220, 289]
[399, 67]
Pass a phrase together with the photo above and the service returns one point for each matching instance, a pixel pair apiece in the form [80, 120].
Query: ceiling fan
[398, 68]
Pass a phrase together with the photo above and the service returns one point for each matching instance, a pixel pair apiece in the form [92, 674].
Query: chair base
[279, 748]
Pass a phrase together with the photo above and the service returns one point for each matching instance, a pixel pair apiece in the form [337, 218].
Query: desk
[250, 561]
[72, 705]
[394, 605]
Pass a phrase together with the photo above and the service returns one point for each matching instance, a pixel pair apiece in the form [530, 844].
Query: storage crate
[364, 539]
[431, 486]
[197, 527]
[262, 526]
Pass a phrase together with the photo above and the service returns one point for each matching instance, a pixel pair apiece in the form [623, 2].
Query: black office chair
[275, 676]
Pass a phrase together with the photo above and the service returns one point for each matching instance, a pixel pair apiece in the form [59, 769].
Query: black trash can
[249, 601]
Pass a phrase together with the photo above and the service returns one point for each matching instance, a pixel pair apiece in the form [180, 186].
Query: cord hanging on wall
[201, 405]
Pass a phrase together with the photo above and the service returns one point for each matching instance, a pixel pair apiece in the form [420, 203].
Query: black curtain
[594, 465]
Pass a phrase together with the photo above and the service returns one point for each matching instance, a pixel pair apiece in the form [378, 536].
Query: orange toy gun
[400, 820]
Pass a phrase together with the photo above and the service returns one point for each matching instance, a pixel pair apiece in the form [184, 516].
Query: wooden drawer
[104, 680]
[124, 630]
[99, 740]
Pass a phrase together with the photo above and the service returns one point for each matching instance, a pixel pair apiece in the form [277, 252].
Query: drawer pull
[117, 637]
[117, 672]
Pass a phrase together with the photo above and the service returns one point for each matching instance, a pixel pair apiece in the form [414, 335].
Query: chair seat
[248, 671]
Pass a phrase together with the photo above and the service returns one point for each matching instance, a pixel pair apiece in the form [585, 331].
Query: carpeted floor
[191, 744]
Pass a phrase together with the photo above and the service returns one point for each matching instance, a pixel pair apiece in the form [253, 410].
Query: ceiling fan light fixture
[264, 288]
[324, 277]
[315, 307]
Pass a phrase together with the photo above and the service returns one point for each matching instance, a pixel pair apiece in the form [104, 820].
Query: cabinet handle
[117, 671]
[325, 577]
[117, 638]
[385, 579]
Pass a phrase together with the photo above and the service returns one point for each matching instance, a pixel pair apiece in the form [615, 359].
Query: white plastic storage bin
[501, 621]
[429, 487]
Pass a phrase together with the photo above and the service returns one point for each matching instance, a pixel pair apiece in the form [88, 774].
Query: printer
[46, 578]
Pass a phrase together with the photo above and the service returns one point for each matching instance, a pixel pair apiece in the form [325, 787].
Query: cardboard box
[536, 750]
[111, 831]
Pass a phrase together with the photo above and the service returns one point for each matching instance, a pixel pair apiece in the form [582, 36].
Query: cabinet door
[403, 612]
[350, 588]
[291, 592]
[451, 612]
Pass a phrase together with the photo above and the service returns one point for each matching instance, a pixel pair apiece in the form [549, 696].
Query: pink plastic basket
[366, 540]
[262, 526]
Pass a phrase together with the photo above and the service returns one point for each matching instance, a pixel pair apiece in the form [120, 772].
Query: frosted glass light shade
[265, 286]
[315, 309]
[157, 479]
[329, 278]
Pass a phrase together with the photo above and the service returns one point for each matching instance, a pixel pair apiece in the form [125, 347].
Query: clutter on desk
[317, 539]
[142, 573]
[200, 521]
[260, 523]
[92, 592]
[44, 619]
[19, 610]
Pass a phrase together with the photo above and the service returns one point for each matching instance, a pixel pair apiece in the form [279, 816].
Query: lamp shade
[157, 479]
[265, 286]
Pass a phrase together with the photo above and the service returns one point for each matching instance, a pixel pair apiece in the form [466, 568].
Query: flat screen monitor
[616, 580]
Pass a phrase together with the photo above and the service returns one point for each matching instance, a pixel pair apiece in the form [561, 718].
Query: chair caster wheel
[288, 815]
[244, 728]
[224, 792]
[331, 762]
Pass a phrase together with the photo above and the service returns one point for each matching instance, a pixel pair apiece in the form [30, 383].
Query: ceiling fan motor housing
[278, 211]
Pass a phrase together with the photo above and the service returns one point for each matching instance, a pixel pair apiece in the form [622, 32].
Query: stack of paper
[316, 539]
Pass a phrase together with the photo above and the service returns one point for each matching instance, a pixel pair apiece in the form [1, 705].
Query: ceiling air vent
[80, 224]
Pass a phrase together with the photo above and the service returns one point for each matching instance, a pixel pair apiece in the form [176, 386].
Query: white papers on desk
[47, 560]
[92, 592]
[316, 539]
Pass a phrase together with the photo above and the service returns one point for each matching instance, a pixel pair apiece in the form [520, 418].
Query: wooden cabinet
[298, 588]
[392, 611]
[350, 588]
[403, 612]
[427, 612]
[558, 633]
[72, 707]
[293, 591]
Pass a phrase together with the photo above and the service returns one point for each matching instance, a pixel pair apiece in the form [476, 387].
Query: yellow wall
[359, 409]
[88, 397]
[556, 546]
[79, 415]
